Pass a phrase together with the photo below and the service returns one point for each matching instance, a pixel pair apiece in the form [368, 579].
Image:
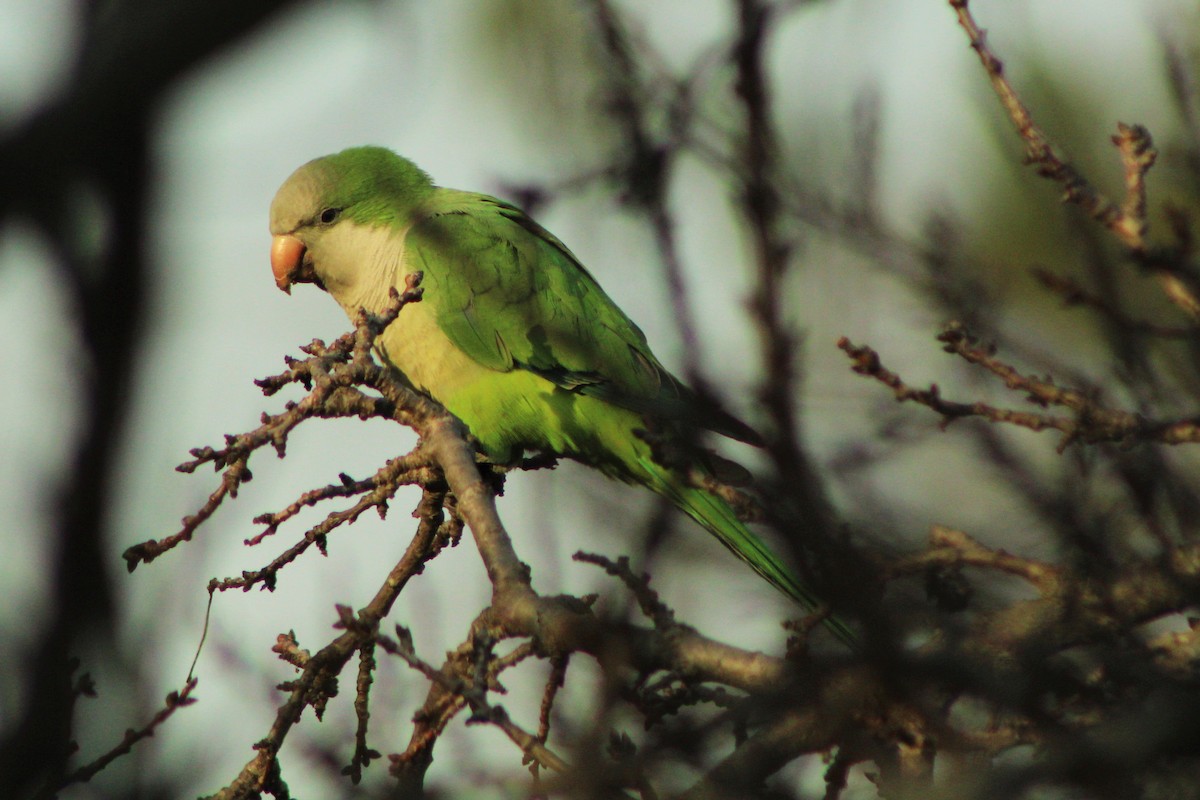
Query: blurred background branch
[80, 170]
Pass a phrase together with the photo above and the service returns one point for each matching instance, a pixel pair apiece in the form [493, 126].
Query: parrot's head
[320, 207]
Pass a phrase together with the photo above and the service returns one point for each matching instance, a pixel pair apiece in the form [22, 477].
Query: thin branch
[317, 680]
[1040, 151]
[413, 468]
[1127, 220]
[1091, 423]
[383, 487]
[363, 754]
[174, 701]
[653, 607]
[463, 681]
[952, 548]
[648, 160]
[555, 681]
[332, 373]
[1073, 294]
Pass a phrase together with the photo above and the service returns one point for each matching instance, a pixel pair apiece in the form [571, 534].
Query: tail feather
[718, 518]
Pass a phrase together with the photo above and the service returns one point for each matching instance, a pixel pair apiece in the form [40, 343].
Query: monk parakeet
[513, 335]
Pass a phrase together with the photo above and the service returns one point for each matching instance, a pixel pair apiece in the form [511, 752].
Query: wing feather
[512, 296]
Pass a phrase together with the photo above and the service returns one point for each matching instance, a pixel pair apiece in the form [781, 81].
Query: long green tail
[718, 518]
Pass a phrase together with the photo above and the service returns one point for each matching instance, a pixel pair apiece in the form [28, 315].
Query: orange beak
[287, 258]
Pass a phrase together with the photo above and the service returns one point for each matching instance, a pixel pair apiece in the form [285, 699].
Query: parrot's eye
[329, 215]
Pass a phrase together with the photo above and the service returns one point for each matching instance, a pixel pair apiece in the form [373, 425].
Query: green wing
[512, 296]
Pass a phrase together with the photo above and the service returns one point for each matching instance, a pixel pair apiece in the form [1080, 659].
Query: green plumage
[512, 335]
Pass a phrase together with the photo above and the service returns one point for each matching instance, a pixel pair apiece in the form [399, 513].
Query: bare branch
[1091, 423]
[174, 701]
[1126, 221]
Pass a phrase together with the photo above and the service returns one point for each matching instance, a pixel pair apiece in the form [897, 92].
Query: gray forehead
[296, 199]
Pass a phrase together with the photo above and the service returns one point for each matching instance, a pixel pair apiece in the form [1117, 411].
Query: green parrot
[513, 335]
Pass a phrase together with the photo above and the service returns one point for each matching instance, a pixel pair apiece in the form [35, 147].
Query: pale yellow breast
[359, 265]
[416, 346]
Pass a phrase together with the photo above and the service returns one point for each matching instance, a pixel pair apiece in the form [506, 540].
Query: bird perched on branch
[513, 335]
